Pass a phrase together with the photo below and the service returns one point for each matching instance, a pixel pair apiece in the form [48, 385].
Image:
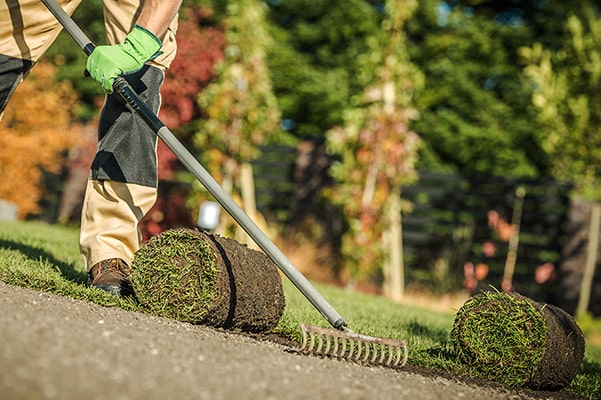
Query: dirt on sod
[202, 278]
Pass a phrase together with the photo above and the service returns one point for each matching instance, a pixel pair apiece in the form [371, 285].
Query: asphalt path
[53, 347]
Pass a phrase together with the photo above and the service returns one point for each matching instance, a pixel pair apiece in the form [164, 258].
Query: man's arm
[156, 15]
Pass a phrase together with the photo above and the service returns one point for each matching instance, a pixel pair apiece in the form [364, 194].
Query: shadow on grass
[591, 370]
[439, 335]
[67, 270]
[441, 350]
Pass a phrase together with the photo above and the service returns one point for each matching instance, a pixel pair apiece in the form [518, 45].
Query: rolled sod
[509, 338]
[201, 278]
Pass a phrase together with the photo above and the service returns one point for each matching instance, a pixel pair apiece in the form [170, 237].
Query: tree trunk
[394, 267]
[591, 260]
[249, 205]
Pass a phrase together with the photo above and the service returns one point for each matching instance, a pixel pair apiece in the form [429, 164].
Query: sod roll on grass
[509, 338]
[201, 278]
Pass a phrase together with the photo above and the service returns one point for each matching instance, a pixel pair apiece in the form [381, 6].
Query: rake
[353, 346]
[341, 342]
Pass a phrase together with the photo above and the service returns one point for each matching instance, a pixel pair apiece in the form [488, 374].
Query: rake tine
[395, 360]
[395, 356]
[404, 345]
[398, 355]
[390, 355]
[374, 355]
[336, 344]
[348, 347]
[328, 344]
[351, 349]
[367, 348]
[319, 343]
[364, 347]
[307, 340]
[342, 347]
[382, 354]
[359, 349]
[352, 346]
[312, 342]
[304, 344]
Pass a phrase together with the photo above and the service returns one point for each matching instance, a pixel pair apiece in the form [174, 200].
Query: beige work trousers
[109, 220]
[111, 209]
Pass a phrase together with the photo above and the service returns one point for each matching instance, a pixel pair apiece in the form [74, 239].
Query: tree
[567, 92]
[200, 47]
[35, 134]
[240, 107]
[475, 113]
[377, 150]
[543, 19]
[567, 83]
[314, 59]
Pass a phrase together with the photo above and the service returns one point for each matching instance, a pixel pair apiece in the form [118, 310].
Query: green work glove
[108, 62]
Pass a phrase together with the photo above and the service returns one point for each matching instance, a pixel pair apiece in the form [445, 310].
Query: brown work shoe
[112, 276]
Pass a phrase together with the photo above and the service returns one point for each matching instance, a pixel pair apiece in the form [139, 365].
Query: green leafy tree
[240, 108]
[376, 148]
[200, 46]
[314, 59]
[475, 113]
[567, 85]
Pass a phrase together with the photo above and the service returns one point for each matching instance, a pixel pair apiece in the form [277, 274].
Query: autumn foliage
[35, 132]
[241, 109]
[199, 49]
[376, 151]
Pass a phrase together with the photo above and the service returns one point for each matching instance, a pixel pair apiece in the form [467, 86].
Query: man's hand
[108, 62]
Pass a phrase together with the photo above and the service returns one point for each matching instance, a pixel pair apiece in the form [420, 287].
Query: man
[122, 186]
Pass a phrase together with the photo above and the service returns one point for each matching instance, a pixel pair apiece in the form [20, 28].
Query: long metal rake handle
[124, 89]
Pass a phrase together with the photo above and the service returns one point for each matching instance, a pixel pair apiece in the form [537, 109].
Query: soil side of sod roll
[509, 338]
[564, 351]
[202, 278]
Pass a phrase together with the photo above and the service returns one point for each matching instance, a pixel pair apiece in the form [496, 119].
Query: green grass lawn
[46, 258]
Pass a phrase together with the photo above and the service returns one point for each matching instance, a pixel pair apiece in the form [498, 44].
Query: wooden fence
[451, 225]
[448, 224]
[274, 182]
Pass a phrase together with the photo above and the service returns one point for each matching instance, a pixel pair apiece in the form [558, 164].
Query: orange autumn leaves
[36, 132]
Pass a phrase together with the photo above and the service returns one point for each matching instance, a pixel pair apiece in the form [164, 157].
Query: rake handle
[124, 89]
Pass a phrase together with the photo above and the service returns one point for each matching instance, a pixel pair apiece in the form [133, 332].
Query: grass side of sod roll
[174, 275]
[509, 338]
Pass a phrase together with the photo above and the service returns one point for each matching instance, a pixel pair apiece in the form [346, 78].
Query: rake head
[353, 346]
